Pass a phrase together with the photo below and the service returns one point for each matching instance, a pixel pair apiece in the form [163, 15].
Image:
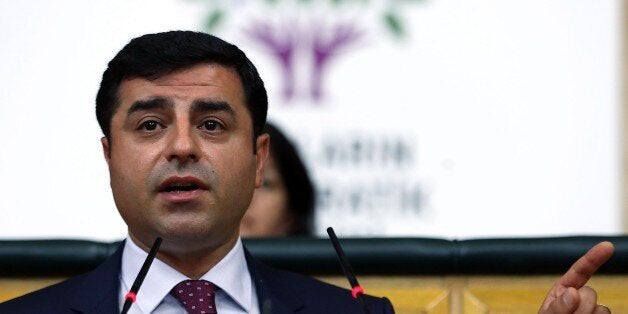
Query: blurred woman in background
[284, 205]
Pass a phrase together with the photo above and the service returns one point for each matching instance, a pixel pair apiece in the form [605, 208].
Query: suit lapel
[99, 289]
[273, 296]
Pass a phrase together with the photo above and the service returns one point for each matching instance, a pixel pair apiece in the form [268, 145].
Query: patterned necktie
[196, 296]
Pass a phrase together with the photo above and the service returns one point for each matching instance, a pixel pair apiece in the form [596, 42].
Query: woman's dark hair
[296, 179]
[155, 55]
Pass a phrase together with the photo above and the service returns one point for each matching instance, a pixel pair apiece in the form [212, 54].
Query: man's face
[181, 159]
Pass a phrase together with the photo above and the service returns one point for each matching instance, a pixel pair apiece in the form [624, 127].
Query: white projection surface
[483, 119]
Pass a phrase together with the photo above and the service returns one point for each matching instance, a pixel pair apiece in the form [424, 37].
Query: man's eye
[149, 125]
[211, 125]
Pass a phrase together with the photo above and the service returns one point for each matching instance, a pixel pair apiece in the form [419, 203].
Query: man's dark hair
[299, 187]
[155, 55]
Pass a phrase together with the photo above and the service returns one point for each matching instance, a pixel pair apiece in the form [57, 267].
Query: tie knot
[196, 296]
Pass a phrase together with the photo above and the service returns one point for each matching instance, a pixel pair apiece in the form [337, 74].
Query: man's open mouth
[180, 187]
[181, 184]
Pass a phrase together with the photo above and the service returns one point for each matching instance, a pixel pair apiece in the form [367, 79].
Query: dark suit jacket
[278, 292]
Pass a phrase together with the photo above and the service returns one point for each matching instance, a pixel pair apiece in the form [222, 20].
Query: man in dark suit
[182, 115]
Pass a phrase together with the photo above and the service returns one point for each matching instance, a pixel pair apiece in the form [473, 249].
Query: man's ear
[262, 148]
[106, 148]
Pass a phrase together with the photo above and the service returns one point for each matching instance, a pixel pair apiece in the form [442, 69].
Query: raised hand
[569, 294]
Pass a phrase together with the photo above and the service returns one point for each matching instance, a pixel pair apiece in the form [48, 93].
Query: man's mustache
[164, 171]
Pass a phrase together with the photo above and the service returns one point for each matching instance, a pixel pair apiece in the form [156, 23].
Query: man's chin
[195, 233]
[184, 243]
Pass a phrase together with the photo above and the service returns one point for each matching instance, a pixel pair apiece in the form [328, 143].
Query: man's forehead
[204, 74]
[214, 80]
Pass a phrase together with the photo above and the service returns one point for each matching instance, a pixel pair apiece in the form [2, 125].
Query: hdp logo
[305, 36]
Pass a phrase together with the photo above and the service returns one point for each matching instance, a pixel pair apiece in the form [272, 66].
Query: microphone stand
[356, 290]
[131, 296]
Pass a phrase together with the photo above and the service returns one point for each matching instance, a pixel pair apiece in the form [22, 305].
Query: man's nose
[183, 144]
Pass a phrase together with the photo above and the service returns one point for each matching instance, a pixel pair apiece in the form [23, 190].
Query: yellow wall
[444, 294]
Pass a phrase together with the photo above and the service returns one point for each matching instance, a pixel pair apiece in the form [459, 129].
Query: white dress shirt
[236, 293]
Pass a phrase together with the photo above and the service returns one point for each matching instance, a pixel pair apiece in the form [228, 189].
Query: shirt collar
[231, 275]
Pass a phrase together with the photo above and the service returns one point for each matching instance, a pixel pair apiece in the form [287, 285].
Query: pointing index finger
[582, 270]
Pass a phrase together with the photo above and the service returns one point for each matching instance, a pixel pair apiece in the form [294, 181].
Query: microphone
[356, 290]
[130, 297]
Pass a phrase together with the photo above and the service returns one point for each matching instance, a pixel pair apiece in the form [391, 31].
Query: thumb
[565, 303]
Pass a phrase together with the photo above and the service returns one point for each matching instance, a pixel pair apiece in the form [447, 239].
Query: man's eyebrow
[150, 104]
[212, 105]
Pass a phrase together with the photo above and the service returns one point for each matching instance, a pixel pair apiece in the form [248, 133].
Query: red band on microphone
[356, 291]
[130, 296]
